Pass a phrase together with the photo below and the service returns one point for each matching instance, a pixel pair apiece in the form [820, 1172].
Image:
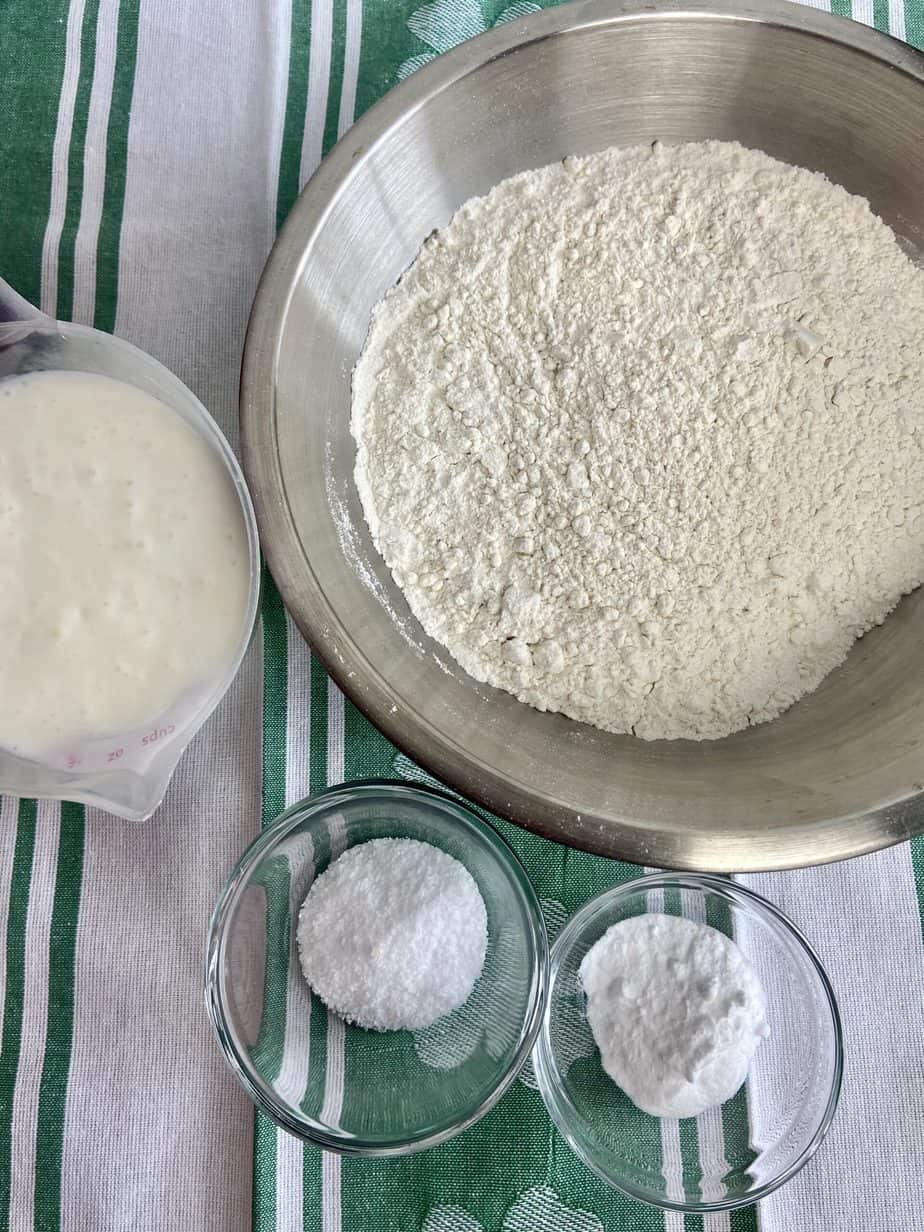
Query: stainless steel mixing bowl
[840, 773]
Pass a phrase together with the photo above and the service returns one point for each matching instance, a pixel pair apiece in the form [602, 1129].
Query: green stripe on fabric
[692, 1223]
[841, 8]
[367, 753]
[75, 162]
[32, 51]
[275, 666]
[317, 738]
[673, 903]
[110, 230]
[296, 103]
[335, 79]
[914, 24]
[388, 45]
[60, 1031]
[881, 15]
[263, 1206]
[917, 864]
[10, 1041]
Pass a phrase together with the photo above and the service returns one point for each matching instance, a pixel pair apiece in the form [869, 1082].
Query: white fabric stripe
[720, 1221]
[672, 1168]
[290, 1152]
[207, 113]
[862, 10]
[34, 1018]
[279, 19]
[354, 33]
[9, 810]
[318, 86]
[861, 916]
[60, 150]
[290, 1184]
[897, 19]
[94, 162]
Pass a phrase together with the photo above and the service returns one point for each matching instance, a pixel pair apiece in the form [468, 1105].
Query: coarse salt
[393, 934]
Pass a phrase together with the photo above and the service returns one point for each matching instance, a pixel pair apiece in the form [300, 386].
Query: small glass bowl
[726, 1157]
[341, 1087]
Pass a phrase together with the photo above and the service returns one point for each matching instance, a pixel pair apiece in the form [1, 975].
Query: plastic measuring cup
[125, 773]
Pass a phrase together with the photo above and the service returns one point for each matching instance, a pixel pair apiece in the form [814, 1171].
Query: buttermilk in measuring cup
[123, 557]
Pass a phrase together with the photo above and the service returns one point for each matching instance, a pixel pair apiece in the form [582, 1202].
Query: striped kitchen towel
[149, 150]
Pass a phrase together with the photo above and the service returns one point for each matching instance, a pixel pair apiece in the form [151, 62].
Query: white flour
[641, 436]
[676, 1011]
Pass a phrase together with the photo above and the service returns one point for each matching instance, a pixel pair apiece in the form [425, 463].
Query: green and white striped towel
[148, 151]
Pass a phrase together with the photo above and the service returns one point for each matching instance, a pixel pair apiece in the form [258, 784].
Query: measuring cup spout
[124, 793]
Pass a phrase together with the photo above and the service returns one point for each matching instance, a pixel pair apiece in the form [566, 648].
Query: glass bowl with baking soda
[691, 1052]
[377, 968]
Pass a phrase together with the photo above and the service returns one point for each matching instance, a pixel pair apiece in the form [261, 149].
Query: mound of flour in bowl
[641, 435]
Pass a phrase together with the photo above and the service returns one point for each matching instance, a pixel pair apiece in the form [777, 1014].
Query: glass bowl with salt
[691, 1052]
[427, 957]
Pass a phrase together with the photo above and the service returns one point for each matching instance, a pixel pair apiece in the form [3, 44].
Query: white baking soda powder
[393, 934]
[676, 1011]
